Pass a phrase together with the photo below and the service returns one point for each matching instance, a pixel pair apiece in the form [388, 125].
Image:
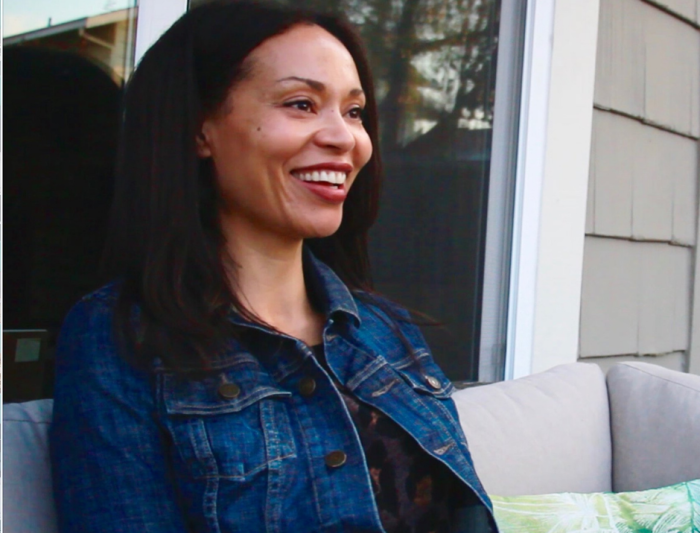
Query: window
[65, 64]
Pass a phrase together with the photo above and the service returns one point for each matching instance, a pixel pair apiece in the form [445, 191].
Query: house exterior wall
[637, 297]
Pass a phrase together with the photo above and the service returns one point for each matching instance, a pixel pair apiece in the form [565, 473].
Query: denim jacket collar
[328, 292]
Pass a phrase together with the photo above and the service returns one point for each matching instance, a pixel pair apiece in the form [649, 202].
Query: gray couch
[572, 430]
[562, 430]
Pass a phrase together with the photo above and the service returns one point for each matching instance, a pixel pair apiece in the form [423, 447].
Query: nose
[335, 133]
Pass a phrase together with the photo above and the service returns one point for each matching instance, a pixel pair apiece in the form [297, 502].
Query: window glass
[65, 64]
[434, 63]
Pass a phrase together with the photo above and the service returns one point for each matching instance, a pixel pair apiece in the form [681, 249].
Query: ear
[202, 141]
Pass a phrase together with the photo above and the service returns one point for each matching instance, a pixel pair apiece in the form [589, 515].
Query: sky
[26, 15]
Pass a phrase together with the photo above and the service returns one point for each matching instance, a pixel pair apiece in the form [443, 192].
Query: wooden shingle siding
[609, 322]
[683, 166]
[687, 9]
[672, 88]
[612, 174]
[642, 214]
[648, 65]
[635, 298]
[620, 57]
[672, 361]
[643, 181]
[664, 287]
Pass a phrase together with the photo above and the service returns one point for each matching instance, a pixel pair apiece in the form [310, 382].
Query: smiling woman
[240, 374]
[290, 141]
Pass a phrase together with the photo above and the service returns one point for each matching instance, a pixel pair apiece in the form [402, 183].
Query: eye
[357, 113]
[302, 105]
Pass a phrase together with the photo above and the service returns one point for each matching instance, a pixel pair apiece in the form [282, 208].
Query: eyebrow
[317, 85]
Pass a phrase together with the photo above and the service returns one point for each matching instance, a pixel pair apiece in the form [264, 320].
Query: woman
[241, 375]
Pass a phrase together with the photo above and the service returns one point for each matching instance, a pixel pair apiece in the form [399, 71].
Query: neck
[268, 279]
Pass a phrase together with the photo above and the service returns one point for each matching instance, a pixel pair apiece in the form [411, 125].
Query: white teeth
[337, 178]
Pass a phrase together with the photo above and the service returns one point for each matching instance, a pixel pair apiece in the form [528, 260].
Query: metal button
[229, 391]
[336, 459]
[433, 382]
[307, 386]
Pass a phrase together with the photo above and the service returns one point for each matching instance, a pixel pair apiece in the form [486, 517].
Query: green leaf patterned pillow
[674, 509]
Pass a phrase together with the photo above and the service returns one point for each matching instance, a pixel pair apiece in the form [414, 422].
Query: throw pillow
[674, 509]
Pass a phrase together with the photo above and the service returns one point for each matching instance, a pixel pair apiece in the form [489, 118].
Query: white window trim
[551, 185]
[501, 193]
[155, 16]
[532, 140]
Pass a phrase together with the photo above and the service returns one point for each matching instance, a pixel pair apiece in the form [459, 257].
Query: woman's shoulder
[105, 295]
[383, 318]
[90, 335]
[375, 308]
[93, 313]
[388, 330]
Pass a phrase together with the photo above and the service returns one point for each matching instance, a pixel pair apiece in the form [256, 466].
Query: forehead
[304, 51]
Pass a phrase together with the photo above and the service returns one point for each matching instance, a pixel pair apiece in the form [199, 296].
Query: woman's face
[289, 142]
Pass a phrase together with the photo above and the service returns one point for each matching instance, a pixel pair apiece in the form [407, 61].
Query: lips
[326, 181]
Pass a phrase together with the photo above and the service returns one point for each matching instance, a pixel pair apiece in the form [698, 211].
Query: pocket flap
[226, 390]
[424, 375]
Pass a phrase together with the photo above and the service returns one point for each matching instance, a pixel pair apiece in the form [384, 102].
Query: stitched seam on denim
[444, 392]
[249, 473]
[310, 464]
[233, 407]
[366, 372]
[386, 388]
[445, 448]
[211, 492]
[273, 501]
[286, 370]
[228, 361]
[199, 440]
[421, 353]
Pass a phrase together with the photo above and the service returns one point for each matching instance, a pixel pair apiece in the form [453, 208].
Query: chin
[321, 233]
[321, 230]
[322, 225]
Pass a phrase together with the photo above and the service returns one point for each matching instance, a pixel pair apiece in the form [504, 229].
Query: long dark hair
[165, 242]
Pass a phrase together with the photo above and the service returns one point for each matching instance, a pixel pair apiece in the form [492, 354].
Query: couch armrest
[26, 481]
[655, 419]
[544, 433]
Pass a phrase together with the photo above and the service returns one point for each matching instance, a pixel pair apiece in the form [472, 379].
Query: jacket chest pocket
[232, 424]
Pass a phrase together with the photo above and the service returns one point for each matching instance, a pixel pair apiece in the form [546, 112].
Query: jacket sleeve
[109, 466]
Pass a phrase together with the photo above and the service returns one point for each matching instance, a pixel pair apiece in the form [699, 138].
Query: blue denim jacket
[240, 449]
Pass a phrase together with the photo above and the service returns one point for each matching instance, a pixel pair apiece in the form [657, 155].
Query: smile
[326, 176]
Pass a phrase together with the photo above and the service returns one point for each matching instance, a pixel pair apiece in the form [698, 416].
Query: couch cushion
[655, 419]
[544, 433]
[27, 493]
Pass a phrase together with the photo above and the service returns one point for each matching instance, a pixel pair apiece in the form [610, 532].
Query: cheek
[365, 149]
